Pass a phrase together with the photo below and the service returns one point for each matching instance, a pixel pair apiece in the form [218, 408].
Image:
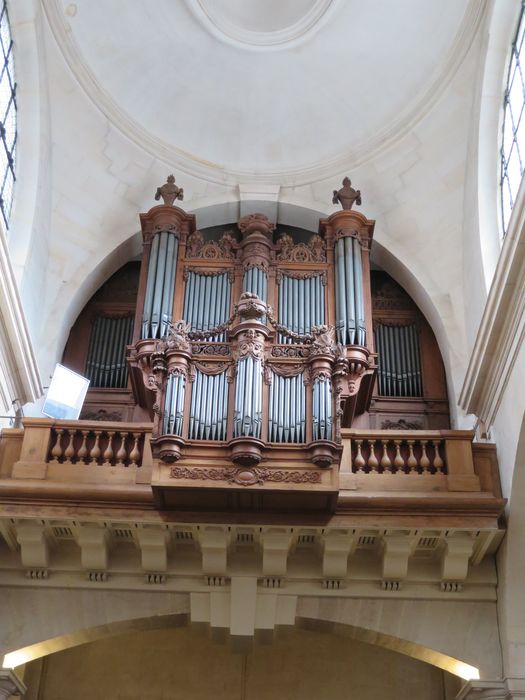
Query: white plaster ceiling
[229, 89]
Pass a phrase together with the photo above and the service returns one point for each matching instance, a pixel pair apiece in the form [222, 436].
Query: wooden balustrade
[404, 456]
[114, 447]
[437, 460]
[84, 451]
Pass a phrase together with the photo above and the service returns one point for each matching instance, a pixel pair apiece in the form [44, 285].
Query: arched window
[513, 146]
[7, 117]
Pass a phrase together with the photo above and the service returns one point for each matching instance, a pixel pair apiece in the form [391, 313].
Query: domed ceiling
[286, 92]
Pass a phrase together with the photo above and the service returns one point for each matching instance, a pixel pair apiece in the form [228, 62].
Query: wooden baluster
[70, 450]
[83, 451]
[122, 454]
[424, 462]
[108, 452]
[95, 450]
[438, 462]
[134, 455]
[372, 459]
[359, 461]
[399, 462]
[56, 452]
[412, 461]
[385, 459]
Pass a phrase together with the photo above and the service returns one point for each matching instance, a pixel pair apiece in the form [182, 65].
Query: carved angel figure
[284, 246]
[169, 191]
[346, 196]
[324, 340]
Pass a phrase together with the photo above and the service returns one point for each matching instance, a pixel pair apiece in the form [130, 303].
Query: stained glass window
[513, 145]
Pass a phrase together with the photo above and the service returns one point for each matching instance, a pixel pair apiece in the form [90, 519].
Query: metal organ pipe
[158, 301]
[207, 300]
[287, 409]
[106, 365]
[322, 409]
[248, 398]
[208, 407]
[301, 304]
[350, 322]
[398, 359]
[174, 404]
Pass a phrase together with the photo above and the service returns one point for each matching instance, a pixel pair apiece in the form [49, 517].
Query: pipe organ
[256, 343]
[251, 349]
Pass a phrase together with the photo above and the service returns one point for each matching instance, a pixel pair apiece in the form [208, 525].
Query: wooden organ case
[251, 353]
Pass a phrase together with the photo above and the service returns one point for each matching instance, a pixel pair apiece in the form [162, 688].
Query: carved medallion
[244, 476]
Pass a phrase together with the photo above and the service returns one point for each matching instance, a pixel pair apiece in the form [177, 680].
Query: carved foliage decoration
[212, 349]
[224, 248]
[401, 424]
[290, 351]
[246, 477]
[313, 251]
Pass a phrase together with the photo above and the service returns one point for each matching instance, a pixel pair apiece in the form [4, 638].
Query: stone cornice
[502, 328]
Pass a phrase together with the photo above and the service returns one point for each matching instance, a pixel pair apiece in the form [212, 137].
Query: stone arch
[69, 640]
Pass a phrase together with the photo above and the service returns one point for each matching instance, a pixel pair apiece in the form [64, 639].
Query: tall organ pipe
[158, 300]
[287, 409]
[322, 409]
[106, 359]
[398, 359]
[350, 311]
[174, 404]
[301, 304]
[248, 398]
[208, 407]
[207, 301]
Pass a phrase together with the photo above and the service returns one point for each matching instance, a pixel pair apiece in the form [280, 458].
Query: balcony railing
[385, 470]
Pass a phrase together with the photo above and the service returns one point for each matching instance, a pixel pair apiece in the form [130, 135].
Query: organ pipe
[174, 404]
[208, 407]
[350, 310]
[399, 371]
[248, 398]
[301, 304]
[322, 409]
[287, 425]
[158, 301]
[106, 365]
[207, 300]
[255, 280]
